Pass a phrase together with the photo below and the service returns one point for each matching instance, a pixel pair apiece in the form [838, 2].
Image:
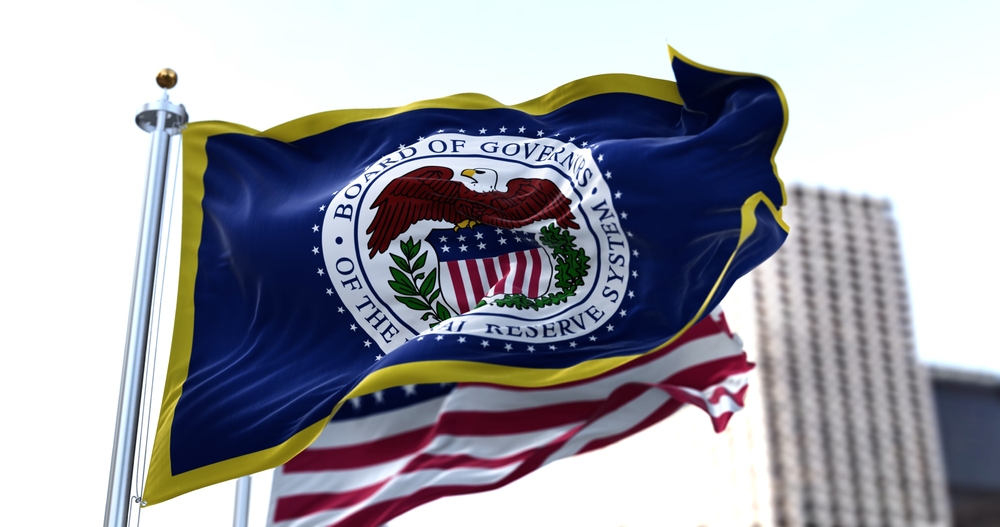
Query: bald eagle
[431, 193]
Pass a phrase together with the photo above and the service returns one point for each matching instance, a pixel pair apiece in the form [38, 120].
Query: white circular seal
[490, 236]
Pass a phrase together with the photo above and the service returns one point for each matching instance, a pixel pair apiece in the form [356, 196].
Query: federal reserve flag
[453, 240]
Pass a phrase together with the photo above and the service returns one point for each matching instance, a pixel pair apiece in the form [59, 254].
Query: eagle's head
[480, 179]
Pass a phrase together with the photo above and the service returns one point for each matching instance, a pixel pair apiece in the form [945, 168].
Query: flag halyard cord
[162, 119]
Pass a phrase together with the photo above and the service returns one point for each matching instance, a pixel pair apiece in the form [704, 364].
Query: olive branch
[405, 279]
[571, 268]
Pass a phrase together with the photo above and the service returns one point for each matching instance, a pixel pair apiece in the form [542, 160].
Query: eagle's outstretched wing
[423, 194]
[527, 201]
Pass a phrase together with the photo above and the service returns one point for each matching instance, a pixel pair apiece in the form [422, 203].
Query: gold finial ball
[166, 78]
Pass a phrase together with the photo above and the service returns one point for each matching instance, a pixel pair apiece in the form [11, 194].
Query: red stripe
[661, 413]
[679, 398]
[718, 422]
[522, 262]
[475, 280]
[720, 392]
[491, 273]
[466, 424]
[705, 374]
[360, 455]
[703, 328]
[536, 273]
[456, 283]
[291, 507]
[380, 513]
[427, 461]
[504, 260]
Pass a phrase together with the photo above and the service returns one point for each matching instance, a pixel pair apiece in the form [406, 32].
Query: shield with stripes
[484, 262]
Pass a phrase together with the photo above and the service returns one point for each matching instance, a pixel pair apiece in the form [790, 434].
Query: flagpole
[161, 119]
[241, 509]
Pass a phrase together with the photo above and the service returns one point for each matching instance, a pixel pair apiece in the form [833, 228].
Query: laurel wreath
[571, 268]
[417, 291]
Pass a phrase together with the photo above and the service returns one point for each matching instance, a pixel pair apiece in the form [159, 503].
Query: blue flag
[453, 240]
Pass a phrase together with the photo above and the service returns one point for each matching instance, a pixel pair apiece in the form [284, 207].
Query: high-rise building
[851, 432]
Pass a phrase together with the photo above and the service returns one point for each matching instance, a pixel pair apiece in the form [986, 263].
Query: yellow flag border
[161, 485]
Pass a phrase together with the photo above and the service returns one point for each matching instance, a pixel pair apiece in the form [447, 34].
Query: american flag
[486, 261]
[386, 453]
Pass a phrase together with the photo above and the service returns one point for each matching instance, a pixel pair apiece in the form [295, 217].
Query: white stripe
[484, 264]
[732, 385]
[484, 279]
[509, 277]
[463, 271]
[292, 483]
[381, 425]
[494, 447]
[512, 275]
[495, 263]
[529, 266]
[540, 261]
[407, 484]
[545, 278]
[726, 404]
[404, 485]
[447, 284]
[613, 423]
[481, 447]
[506, 277]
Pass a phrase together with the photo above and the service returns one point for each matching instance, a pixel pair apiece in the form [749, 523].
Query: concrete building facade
[851, 429]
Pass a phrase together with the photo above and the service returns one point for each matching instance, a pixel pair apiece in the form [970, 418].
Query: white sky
[895, 99]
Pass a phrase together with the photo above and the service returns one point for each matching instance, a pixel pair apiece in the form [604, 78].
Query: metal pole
[241, 510]
[161, 119]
